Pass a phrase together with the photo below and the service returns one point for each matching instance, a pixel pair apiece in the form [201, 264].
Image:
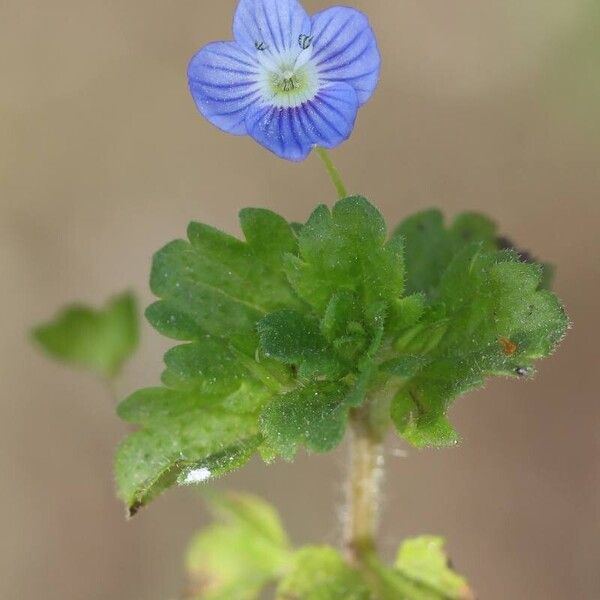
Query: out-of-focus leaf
[424, 561]
[98, 340]
[430, 247]
[236, 558]
[320, 573]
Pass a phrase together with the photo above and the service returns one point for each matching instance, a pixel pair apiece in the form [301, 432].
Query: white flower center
[287, 80]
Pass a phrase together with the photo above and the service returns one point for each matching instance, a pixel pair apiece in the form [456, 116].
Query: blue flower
[290, 81]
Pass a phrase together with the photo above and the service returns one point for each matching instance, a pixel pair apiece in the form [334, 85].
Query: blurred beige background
[491, 105]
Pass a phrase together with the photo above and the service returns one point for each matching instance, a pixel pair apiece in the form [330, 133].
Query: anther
[305, 41]
[260, 46]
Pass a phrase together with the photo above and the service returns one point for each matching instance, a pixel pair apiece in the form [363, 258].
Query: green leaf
[237, 557]
[295, 339]
[209, 366]
[212, 366]
[186, 438]
[420, 427]
[269, 236]
[405, 313]
[314, 416]
[367, 363]
[430, 247]
[389, 583]
[405, 366]
[98, 340]
[213, 290]
[350, 275]
[346, 250]
[424, 561]
[342, 312]
[290, 328]
[491, 318]
[247, 549]
[218, 285]
[320, 573]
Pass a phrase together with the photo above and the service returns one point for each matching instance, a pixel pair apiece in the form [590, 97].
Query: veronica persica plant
[290, 81]
[299, 334]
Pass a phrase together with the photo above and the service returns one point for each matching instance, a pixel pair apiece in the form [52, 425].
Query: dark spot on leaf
[508, 346]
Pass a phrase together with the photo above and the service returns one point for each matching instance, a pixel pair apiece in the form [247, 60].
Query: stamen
[288, 84]
[305, 41]
[260, 46]
[289, 79]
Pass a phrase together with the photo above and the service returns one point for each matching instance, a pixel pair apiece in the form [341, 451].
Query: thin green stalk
[334, 174]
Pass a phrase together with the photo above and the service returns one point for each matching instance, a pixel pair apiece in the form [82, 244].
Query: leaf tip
[133, 509]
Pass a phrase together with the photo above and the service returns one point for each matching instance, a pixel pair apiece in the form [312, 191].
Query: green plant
[299, 335]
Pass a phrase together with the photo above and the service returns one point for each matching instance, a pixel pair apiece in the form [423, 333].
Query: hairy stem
[334, 174]
[363, 486]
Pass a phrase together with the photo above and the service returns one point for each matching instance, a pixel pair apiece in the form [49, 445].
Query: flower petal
[291, 133]
[223, 81]
[277, 24]
[345, 49]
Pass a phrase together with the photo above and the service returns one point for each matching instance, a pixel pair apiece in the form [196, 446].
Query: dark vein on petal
[341, 50]
[326, 45]
[349, 62]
